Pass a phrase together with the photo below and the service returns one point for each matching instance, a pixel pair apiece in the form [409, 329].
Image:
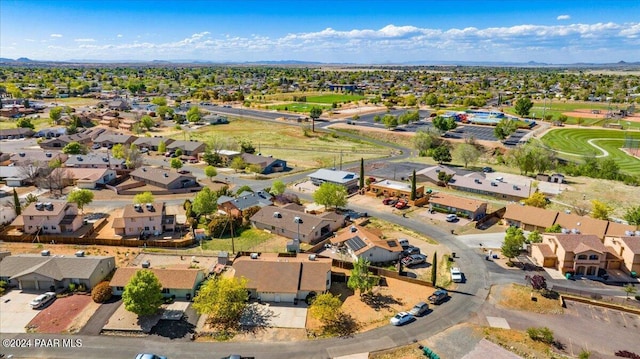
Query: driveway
[488, 240]
[278, 315]
[15, 312]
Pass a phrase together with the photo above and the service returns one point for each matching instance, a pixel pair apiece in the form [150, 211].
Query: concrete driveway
[278, 315]
[15, 312]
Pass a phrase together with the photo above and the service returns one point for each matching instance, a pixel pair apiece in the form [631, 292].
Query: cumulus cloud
[55, 35]
[563, 17]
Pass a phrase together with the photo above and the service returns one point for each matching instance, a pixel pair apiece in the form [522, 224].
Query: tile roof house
[34, 157]
[148, 218]
[179, 282]
[282, 221]
[164, 178]
[60, 142]
[151, 143]
[362, 242]
[235, 206]
[529, 218]
[582, 224]
[53, 217]
[344, 178]
[14, 133]
[580, 254]
[628, 248]
[466, 207]
[37, 272]
[89, 178]
[189, 148]
[95, 160]
[118, 104]
[430, 174]
[110, 139]
[283, 279]
[268, 164]
[476, 183]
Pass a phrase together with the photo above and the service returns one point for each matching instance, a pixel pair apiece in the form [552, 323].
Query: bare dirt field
[58, 317]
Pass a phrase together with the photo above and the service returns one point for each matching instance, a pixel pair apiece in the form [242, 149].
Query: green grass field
[572, 143]
[337, 98]
[303, 107]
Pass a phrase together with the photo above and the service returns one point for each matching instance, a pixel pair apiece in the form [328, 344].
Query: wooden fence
[86, 240]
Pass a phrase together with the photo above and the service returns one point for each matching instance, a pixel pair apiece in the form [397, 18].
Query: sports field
[571, 143]
[337, 98]
[303, 107]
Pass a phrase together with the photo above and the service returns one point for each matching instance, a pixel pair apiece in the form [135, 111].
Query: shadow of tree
[379, 301]
[173, 329]
[341, 290]
[256, 318]
[344, 326]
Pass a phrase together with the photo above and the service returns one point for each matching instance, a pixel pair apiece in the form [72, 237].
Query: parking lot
[15, 312]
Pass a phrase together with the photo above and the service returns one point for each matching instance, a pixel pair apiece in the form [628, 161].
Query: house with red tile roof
[580, 254]
[627, 248]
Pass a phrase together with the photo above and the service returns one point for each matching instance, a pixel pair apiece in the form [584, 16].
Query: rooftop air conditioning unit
[312, 257]
[353, 229]
[45, 253]
[254, 255]
[22, 154]
[628, 233]
[80, 254]
[277, 215]
[166, 174]
[39, 206]
[146, 264]
[48, 206]
[48, 154]
[638, 233]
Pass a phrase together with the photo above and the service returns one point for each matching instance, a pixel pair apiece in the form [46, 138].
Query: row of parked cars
[410, 254]
[398, 203]
[420, 309]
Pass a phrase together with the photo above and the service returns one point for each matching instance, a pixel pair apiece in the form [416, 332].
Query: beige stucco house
[53, 217]
[146, 218]
[627, 248]
[181, 283]
[580, 254]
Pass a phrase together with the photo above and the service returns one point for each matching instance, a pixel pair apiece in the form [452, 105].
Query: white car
[42, 300]
[456, 275]
[452, 218]
[401, 318]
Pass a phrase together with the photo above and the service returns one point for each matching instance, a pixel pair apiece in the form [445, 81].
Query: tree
[30, 170]
[117, 151]
[326, 307]
[426, 140]
[522, 106]
[243, 189]
[55, 114]
[331, 195]
[193, 114]
[601, 210]
[55, 179]
[315, 114]
[25, 123]
[534, 237]
[176, 164]
[277, 187]
[143, 294]
[75, 148]
[537, 199]
[390, 121]
[630, 289]
[223, 300]
[466, 153]
[632, 215]
[81, 197]
[513, 241]
[205, 202]
[563, 118]
[254, 168]
[441, 154]
[434, 269]
[238, 164]
[247, 147]
[210, 172]
[361, 279]
[361, 179]
[179, 152]
[444, 124]
[144, 197]
[147, 122]
[102, 292]
[16, 203]
[162, 147]
[504, 128]
[414, 193]
[159, 101]
[31, 198]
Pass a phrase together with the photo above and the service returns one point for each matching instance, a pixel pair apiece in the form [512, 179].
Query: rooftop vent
[628, 233]
[312, 257]
[146, 264]
[48, 206]
[80, 254]
[22, 154]
[353, 229]
[45, 253]
[144, 169]
[277, 215]
[137, 207]
[254, 255]
[166, 174]
[79, 158]
[48, 154]
[39, 206]
[516, 188]
[105, 159]
[494, 184]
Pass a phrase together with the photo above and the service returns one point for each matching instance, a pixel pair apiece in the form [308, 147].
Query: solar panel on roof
[355, 243]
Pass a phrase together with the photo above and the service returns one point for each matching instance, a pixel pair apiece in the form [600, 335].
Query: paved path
[100, 317]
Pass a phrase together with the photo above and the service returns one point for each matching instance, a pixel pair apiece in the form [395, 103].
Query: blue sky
[329, 31]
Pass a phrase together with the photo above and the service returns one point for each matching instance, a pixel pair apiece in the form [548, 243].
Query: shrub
[72, 287]
[543, 334]
[510, 264]
[101, 292]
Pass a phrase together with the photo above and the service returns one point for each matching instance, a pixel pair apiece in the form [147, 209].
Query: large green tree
[277, 187]
[537, 199]
[144, 197]
[632, 215]
[434, 269]
[24, 123]
[466, 153]
[504, 128]
[143, 294]
[81, 197]
[75, 148]
[331, 195]
[16, 203]
[444, 124]
[118, 151]
[441, 154]
[55, 114]
[424, 140]
[223, 300]
[315, 114]
[176, 164]
[601, 210]
[147, 122]
[522, 106]
[513, 241]
[326, 307]
[361, 179]
[361, 278]
[193, 114]
[210, 172]
[205, 202]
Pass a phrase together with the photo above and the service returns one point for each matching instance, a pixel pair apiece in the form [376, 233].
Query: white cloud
[55, 35]
[563, 17]
[84, 40]
[119, 35]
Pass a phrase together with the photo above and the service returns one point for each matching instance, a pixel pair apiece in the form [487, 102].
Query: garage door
[287, 297]
[268, 297]
[45, 284]
[27, 284]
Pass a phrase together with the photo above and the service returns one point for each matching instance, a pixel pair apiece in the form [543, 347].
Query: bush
[543, 334]
[101, 292]
[510, 264]
[72, 287]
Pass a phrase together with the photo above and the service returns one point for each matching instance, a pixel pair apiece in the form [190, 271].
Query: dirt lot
[59, 316]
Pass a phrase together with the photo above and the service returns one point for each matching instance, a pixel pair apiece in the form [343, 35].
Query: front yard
[61, 314]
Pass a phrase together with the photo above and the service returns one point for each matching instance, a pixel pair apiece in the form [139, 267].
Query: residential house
[529, 218]
[48, 273]
[164, 178]
[476, 183]
[573, 223]
[189, 148]
[226, 156]
[628, 248]
[127, 124]
[108, 140]
[389, 188]
[361, 242]
[51, 132]
[89, 178]
[31, 157]
[181, 283]
[118, 105]
[297, 276]
[7, 213]
[95, 160]
[13, 176]
[463, 207]
[553, 178]
[60, 142]
[267, 164]
[143, 219]
[580, 254]
[15, 133]
[347, 179]
[291, 220]
[151, 143]
[54, 217]
[431, 174]
[235, 206]
[109, 121]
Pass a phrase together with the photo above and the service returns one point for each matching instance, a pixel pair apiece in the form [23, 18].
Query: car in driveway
[402, 318]
[42, 300]
[452, 218]
[410, 250]
[149, 356]
[438, 296]
[413, 260]
[419, 309]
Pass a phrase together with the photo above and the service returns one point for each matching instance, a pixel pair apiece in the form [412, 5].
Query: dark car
[487, 169]
[410, 250]
[438, 296]
[419, 309]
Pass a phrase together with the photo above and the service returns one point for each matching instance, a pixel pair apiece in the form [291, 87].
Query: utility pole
[233, 242]
[340, 160]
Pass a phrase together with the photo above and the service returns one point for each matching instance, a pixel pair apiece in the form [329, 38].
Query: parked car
[438, 296]
[410, 250]
[413, 259]
[96, 146]
[144, 150]
[452, 218]
[456, 275]
[419, 309]
[168, 154]
[149, 356]
[401, 318]
[42, 300]
[487, 169]
[404, 243]
[401, 204]
[193, 160]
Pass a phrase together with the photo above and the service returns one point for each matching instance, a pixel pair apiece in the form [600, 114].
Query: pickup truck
[438, 296]
[456, 275]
